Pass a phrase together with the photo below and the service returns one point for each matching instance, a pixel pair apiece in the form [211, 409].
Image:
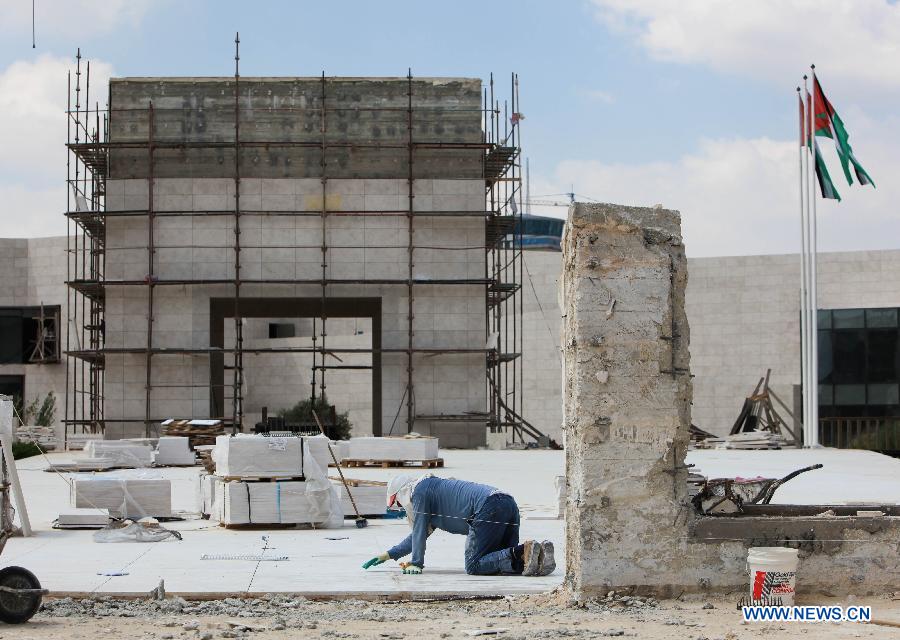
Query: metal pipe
[148, 387]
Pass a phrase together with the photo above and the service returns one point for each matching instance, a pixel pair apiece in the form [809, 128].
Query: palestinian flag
[827, 123]
[825, 184]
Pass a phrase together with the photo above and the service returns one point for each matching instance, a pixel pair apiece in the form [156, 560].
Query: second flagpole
[804, 281]
[813, 289]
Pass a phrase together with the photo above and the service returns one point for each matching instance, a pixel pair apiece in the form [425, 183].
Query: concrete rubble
[616, 614]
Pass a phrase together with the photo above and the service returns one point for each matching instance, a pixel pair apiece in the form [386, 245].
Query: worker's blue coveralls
[487, 516]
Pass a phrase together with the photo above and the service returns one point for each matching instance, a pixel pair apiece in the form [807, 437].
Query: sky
[689, 104]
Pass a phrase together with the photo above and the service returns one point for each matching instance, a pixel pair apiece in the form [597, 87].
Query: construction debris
[45, 437]
[746, 440]
[759, 414]
[198, 432]
[144, 530]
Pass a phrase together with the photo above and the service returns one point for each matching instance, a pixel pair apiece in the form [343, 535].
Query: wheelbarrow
[20, 590]
[727, 496]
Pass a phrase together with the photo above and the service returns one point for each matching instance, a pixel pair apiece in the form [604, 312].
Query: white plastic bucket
[773, 573]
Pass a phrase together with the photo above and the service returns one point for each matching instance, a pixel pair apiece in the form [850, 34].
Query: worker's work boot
[531, 557]
[547, 563]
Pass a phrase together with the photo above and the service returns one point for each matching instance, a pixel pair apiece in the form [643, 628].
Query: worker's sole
[531, 557]
[547, 563]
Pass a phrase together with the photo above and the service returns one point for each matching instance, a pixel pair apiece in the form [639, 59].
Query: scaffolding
[88, 167]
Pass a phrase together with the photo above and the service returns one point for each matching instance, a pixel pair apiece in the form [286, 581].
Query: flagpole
[814, 298]
[810, 175]
[804, 316]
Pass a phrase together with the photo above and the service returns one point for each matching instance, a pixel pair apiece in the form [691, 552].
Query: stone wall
[627, 395]
[627, 392]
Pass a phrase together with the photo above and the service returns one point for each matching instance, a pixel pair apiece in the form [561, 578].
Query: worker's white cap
[400, 484]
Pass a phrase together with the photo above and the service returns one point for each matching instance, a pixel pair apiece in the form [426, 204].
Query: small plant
[25, 450]
[885, 439]
[302, 413]
[37, 413]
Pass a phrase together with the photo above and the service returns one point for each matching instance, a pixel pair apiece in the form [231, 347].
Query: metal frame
[87, 168]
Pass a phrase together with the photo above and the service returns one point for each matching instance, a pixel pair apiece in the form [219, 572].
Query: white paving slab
[69, 561]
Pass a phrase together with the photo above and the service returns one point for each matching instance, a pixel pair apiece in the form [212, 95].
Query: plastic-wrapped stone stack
[375, 448]
[242, 490]
[126, 454]
[254, 456]
[126, 497]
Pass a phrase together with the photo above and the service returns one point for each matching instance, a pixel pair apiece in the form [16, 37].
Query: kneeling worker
[489, 517]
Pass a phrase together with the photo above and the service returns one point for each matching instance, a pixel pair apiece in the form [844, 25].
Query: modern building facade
[744, 316]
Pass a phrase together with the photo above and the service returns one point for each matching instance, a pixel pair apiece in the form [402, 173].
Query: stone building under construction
[239, 243]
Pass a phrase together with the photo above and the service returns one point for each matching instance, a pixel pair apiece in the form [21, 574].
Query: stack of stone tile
[124, 497]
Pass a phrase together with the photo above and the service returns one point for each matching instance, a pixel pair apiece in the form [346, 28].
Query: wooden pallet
[262, 526]
[265, 479]
[431, 463]
[355, 482]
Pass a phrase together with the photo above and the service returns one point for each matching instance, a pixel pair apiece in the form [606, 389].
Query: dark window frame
[874, 350]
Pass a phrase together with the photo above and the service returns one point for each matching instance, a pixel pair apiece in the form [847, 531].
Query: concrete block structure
[627, 404]
[627, 392]
[222, 205]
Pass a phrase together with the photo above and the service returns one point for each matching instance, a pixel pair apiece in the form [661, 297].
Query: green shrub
[302, 413]
[25, 450]
[886, 439]
[37, 413]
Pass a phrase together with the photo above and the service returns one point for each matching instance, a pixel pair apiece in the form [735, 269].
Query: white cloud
[33, 130]
[855, 43]
[740, 196]
[32, 212]
[598, 95]
[76, 18]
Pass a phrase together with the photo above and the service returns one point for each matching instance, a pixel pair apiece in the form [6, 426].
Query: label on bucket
[773, 583]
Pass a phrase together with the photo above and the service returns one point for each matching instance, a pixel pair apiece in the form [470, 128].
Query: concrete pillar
[627, 394]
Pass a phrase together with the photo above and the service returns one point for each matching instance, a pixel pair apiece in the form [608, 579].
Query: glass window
[824, 318]
[849, 318]
[883, 394]
[850, 394]
[881, 352]
[826, 365]
[881, 318]
[826, 394]
[849, 356]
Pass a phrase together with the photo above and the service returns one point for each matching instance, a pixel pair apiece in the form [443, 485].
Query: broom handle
[337, 466]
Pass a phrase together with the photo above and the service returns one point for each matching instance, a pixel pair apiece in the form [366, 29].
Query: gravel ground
[550, 616]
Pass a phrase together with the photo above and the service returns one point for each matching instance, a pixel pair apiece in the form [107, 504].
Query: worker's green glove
[412, 569]
[377, 560]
